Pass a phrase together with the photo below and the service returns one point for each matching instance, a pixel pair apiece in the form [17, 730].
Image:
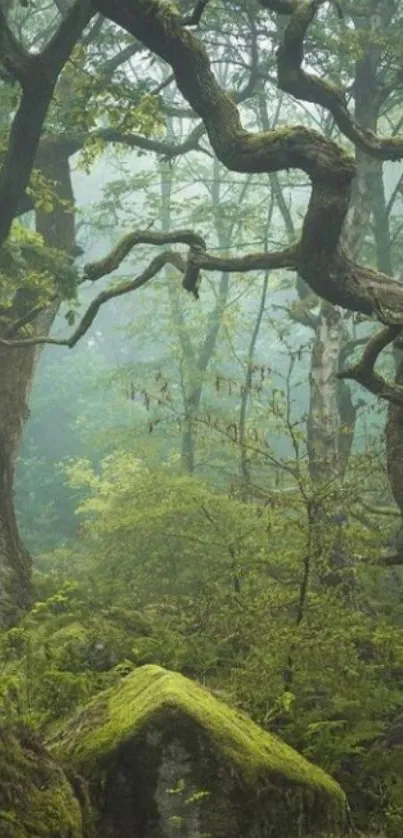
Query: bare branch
[321, 261]
[88, 318]
[197, 259]
[75, 142]
[112, 64]
[111, 262]
[200, 257]
[293, 79]
[166, 149]
[364, 371]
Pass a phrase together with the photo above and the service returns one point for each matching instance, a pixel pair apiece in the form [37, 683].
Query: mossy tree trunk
[368, 97]
[17, 371]
[15, 564]
[394, 444]
[331, 396]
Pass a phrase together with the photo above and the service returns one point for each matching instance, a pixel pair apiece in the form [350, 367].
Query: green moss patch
[36, 799]
[118, 723]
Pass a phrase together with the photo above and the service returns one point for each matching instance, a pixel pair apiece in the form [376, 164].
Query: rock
[166, 758]
[36, 798]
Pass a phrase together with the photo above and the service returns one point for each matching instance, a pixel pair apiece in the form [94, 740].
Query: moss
[122, 714]
[36, 798]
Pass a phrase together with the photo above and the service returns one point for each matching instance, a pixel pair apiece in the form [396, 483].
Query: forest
[201, 419]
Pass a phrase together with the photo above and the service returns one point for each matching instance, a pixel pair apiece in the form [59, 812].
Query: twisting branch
[111, 262]
[293, 79]
[320, 259]
[197, 259]
[364, 371]
[166, 149]
[198, 254]
[118, 291]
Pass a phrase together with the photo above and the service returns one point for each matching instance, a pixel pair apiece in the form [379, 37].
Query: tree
[319, 256]
[37, 273]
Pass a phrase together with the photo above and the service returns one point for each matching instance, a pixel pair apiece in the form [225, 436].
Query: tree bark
[330, 428]
[15, 563]
[17, 367]
[394, 443]
[323, 421]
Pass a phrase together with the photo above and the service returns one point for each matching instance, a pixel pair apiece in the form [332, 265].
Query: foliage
[170, 572]
[40, 271]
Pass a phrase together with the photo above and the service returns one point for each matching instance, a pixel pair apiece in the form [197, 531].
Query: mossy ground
[36, 799]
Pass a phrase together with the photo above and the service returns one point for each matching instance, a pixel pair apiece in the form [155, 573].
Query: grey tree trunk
[323, 425]
[195, 357]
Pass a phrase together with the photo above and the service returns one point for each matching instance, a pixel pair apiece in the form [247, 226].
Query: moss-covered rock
[167, 758]
[36, 799]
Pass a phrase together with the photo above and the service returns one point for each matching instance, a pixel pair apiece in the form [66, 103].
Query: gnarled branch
[321, 261]
[88, 318]
[364, 371]
[197, 259]
[293, 79]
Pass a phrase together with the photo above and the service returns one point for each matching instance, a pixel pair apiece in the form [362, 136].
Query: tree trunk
[332, 414]
[17, 367]
[329, 442]
[196, 356]
[15, 564]
[371, 172]
[189, 429]
[323, 424]
[394, 443]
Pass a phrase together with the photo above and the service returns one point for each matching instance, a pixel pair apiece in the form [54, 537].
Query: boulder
[165, 758]
[36, 798]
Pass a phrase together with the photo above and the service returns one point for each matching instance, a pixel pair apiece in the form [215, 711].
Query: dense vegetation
[209, 482]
